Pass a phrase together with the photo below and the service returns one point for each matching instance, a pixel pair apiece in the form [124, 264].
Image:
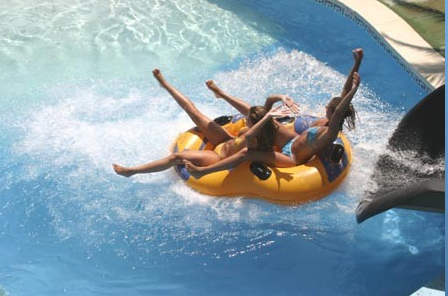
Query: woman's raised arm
[335, 120]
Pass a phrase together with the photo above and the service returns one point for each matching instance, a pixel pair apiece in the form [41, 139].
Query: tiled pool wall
[360, 21]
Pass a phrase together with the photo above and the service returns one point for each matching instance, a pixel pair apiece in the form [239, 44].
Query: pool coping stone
[424, 64]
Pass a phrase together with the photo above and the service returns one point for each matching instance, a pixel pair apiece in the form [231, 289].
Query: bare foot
[215, 89]
[159, 77]
[123, 171]
[195, 171]
[358, 53]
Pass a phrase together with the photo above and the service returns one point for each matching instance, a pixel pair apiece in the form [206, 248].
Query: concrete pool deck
[402, 38]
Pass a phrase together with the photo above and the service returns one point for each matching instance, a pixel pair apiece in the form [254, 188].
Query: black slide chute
[411, 172]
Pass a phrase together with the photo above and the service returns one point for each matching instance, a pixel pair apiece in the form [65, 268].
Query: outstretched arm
[253, 132]
[335, 120]
[357, 55]
[237, 103]
[287, 101]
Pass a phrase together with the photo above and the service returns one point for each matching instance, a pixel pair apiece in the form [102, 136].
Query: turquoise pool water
[77, 95]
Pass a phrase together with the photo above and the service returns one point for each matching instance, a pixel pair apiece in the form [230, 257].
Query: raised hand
[289, 103]
[279, 111]
[358, 54]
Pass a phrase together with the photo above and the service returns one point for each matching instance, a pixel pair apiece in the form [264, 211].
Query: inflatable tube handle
[260, 170]
[337, 153]
[223, 120]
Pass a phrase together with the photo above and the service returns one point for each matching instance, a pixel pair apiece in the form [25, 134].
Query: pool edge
[425, 65]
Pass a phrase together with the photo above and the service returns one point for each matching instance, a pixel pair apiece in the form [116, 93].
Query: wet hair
[349, 117]
[267, 135]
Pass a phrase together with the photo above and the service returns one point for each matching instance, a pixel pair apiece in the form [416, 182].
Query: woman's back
[308, 144]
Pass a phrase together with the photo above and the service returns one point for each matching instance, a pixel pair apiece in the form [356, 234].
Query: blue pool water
[77, 95]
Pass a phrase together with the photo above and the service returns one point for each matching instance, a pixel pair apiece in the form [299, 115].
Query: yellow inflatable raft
[308, 182]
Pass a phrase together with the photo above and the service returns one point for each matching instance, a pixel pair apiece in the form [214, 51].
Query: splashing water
[74, 142]
[78, 96]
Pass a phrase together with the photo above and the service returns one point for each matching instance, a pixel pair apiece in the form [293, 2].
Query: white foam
[3, 291]
[76, 139]
[312, 83]
[423, 164]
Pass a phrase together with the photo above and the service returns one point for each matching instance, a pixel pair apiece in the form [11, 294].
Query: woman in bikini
[215, 134]
[298, 149]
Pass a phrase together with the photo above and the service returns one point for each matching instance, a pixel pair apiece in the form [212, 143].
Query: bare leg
[225, 164]
[269, 158]
[357, 55]
[202, 158]
[237, 103]
[212, 131]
